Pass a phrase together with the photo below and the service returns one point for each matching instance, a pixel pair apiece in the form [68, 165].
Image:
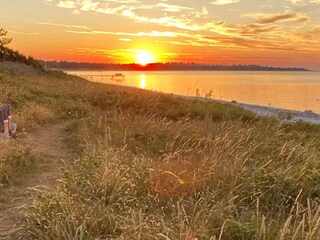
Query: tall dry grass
[154, 166]
[156, 178]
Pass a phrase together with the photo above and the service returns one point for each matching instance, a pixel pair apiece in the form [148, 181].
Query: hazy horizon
[149, 66]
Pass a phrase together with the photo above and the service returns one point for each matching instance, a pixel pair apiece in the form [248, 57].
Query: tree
[4, 41]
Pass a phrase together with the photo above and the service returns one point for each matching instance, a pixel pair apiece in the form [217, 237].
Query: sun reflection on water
[143, 81]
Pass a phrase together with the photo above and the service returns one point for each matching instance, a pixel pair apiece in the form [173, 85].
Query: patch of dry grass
[15, 158]
[179, 178]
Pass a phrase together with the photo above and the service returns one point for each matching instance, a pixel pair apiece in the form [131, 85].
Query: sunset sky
[269, 32]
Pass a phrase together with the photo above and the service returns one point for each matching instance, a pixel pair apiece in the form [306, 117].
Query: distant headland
[172, 66]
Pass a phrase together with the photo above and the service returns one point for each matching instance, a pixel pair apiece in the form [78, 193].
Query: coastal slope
[155, 166]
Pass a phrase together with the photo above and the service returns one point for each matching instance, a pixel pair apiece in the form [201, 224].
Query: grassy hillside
[154, 166]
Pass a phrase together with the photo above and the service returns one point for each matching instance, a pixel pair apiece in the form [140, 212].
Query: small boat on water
[118, 77]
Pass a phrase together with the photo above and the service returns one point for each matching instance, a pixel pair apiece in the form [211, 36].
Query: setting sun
[144, 57]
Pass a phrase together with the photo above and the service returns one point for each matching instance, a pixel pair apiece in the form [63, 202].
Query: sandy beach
[283, 114]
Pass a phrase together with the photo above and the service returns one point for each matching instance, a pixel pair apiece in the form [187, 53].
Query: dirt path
[50, 155]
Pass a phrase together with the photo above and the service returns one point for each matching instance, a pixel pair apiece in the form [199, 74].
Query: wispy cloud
[172, 8]
[303, 1]
[88, 5]
[63, 25]
[24, 33]
[224, 2]
[125, 39]
[67, 4]
[129, 8]
[267, 18]
[138, 34]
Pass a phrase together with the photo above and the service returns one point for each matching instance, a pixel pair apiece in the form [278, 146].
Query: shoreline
[283, 115]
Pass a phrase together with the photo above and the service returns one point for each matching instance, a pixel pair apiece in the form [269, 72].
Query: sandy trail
[51, 153]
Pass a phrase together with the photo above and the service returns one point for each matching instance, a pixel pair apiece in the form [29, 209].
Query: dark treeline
[7, 54]
[163, 67]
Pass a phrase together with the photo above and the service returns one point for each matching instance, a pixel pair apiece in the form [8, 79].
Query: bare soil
[51, 154]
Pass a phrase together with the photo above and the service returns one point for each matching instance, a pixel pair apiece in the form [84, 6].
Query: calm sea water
[289, 90]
